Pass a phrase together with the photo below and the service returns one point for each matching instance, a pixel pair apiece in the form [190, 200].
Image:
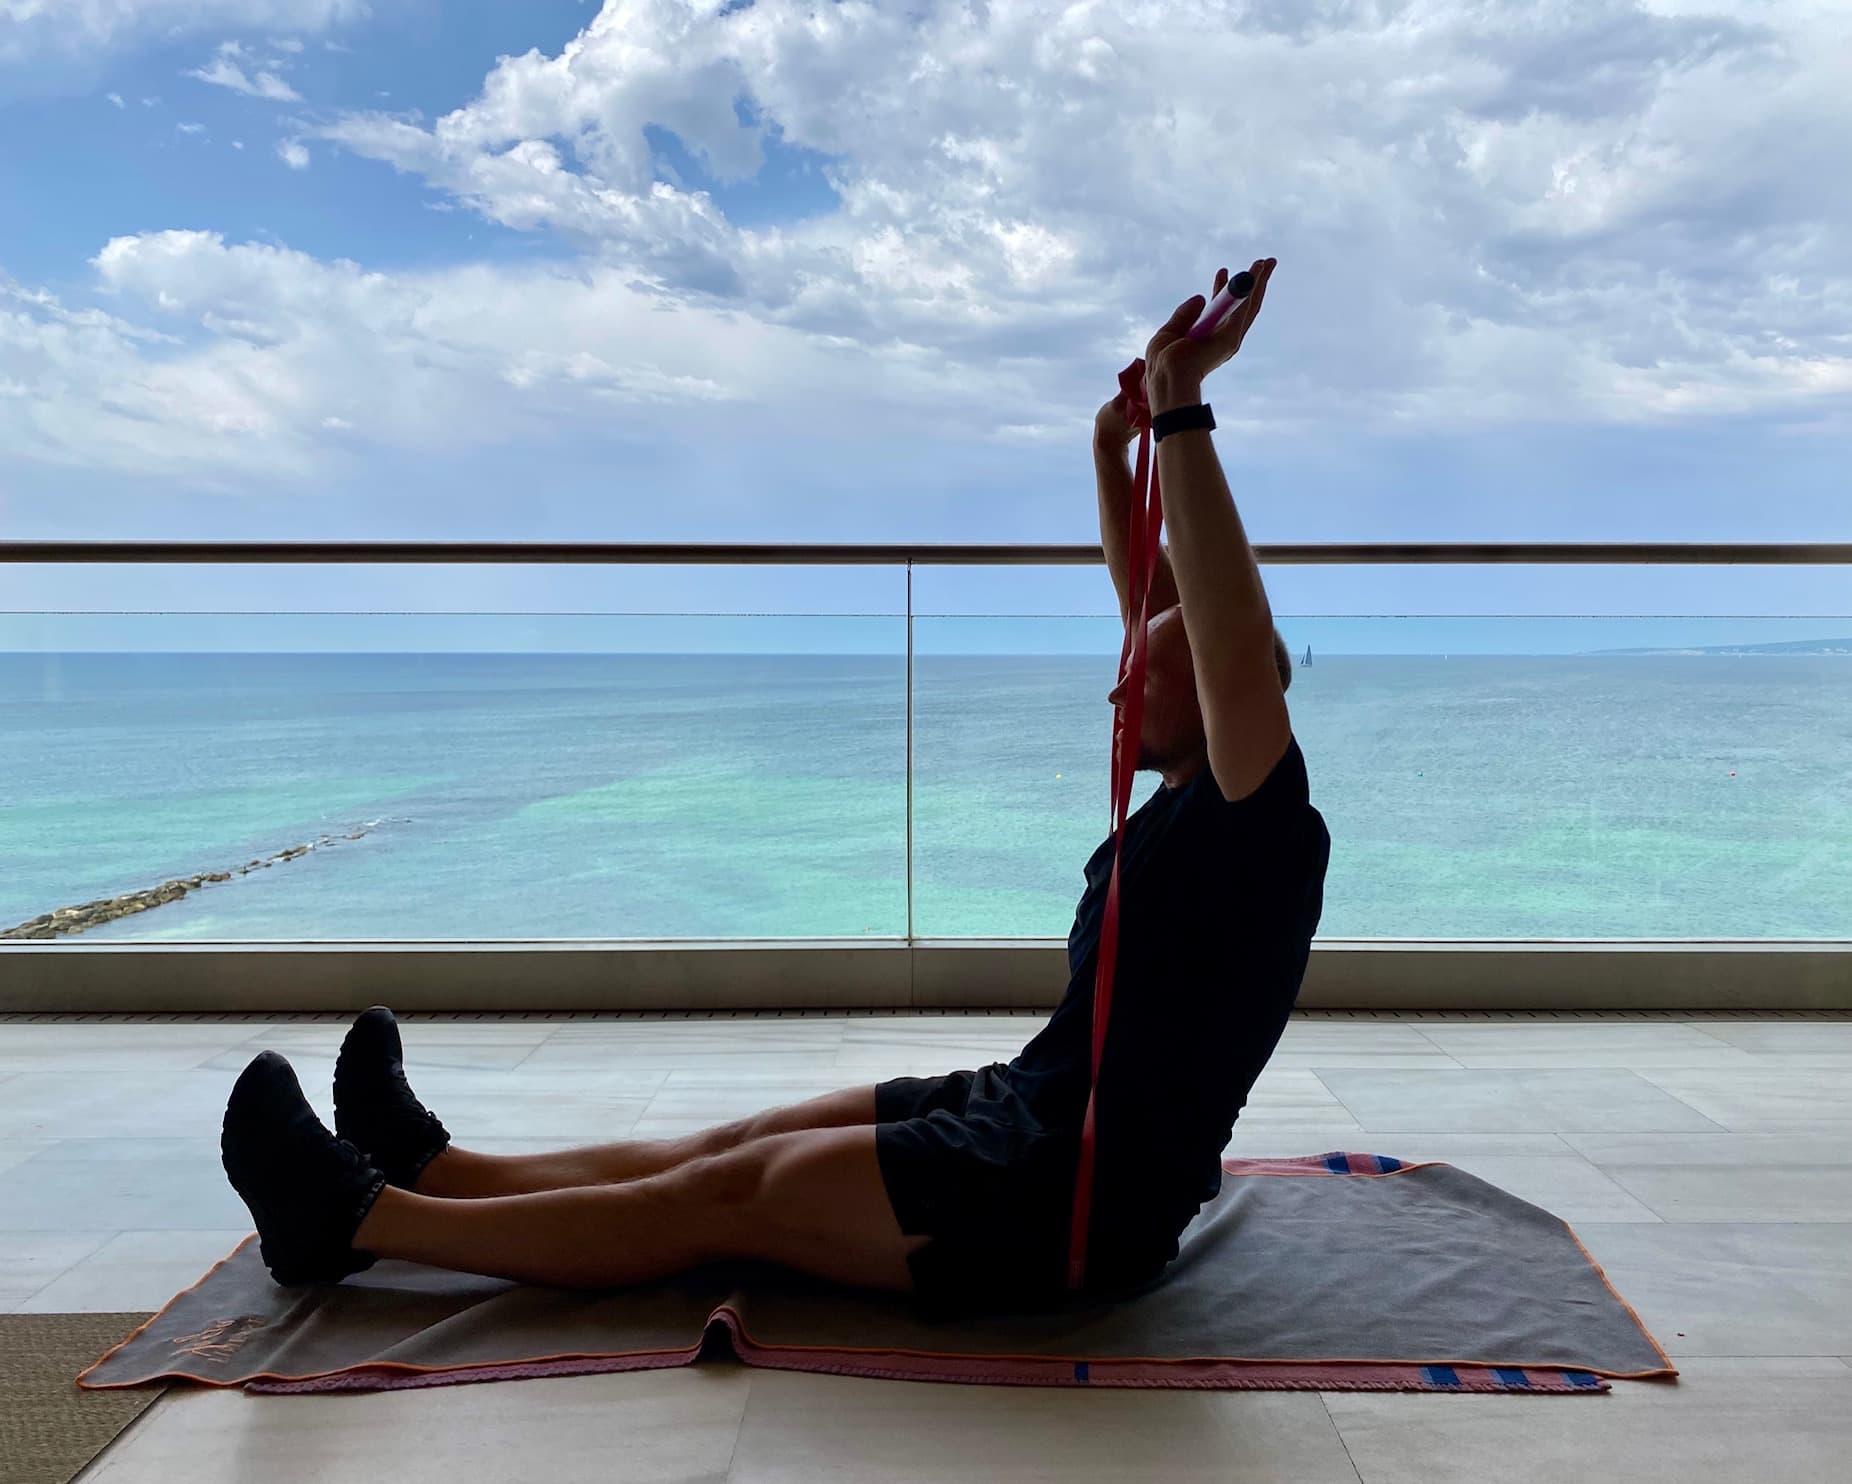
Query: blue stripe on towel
[1510, 1376]
[1338, 1164]
[1581, 1378]
[1386, 1164]
[1440, 1375]
[1081, 1370]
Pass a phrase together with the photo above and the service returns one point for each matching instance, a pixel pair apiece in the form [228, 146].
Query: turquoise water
[671, 796]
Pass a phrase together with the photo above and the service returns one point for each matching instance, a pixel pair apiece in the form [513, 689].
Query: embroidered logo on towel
[220, 1339]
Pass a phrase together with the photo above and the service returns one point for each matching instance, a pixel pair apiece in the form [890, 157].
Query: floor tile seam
[19, 1305]
[739, 1432]
[123, 1440]
[1324, 1401]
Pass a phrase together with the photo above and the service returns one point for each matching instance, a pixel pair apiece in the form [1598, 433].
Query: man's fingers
[1250, 308]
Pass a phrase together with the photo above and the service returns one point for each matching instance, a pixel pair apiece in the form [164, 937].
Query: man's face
[1172, 730]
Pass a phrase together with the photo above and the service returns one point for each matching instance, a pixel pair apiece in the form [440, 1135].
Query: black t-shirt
[1218, 903]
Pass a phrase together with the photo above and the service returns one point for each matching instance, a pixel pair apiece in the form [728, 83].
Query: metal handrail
[1304, 554]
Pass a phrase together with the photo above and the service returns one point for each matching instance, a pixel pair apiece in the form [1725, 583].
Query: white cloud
[220, 359]
[1572, 212]
[225, 71]
[1601, 215]
[66, 28]
[191, 128]
[115, 98]
[98, 391]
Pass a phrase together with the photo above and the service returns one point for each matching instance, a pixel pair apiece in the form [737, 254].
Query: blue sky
[666, 271]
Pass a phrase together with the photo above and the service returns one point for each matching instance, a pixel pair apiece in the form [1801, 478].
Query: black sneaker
[374, 1106]
[308, 1191]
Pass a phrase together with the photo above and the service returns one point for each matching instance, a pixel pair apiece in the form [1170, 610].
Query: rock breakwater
[66, 920]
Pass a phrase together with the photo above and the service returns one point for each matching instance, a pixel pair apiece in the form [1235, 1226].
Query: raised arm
[1112, 468]
[1226, 615]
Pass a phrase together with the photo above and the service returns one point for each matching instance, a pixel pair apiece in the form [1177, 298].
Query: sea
[666, 796]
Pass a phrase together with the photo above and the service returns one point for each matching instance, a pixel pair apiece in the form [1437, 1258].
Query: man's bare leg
[468, 1175]
[811, 1199]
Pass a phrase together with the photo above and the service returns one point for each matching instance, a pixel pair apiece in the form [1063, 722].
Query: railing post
[909, 758]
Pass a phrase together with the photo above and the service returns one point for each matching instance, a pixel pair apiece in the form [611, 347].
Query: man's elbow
[1282, 660]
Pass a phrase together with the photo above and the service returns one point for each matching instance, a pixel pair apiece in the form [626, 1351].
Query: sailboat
[1306, 663]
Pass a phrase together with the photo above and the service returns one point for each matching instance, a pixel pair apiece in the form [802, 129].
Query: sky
[656, 270]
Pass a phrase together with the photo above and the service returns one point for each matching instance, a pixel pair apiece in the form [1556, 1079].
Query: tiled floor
[1706, 1162]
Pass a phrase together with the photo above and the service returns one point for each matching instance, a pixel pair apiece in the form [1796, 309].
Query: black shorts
[967, 1164]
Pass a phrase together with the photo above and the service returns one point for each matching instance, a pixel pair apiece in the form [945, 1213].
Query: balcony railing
[1718, 943]
[597, 553]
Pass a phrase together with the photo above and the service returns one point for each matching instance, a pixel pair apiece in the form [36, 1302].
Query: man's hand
[1176, 366]
[1111, 425]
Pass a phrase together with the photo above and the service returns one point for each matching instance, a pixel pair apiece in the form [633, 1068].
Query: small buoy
[1057, 775]
[1732, 772]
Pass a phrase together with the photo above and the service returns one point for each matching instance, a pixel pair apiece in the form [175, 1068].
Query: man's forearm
[1113, 475]
[1218, 579]
[1112, 468]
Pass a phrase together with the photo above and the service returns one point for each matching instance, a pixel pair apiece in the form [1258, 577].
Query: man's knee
[810, 1199]
[709, 1200]
[849, 1107]
[710, 1143]
[754, 1179]
[725, 1182]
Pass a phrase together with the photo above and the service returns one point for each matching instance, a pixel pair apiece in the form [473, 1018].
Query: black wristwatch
[1179, 419]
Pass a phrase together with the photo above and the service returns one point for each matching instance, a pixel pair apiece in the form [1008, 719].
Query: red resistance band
[1128, 722]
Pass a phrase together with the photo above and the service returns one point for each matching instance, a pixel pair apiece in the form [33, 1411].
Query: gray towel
[1331, 1272]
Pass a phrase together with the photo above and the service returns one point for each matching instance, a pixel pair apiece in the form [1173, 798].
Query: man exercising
[956, 1188]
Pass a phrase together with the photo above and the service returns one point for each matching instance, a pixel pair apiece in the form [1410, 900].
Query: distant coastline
[1793, 646]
